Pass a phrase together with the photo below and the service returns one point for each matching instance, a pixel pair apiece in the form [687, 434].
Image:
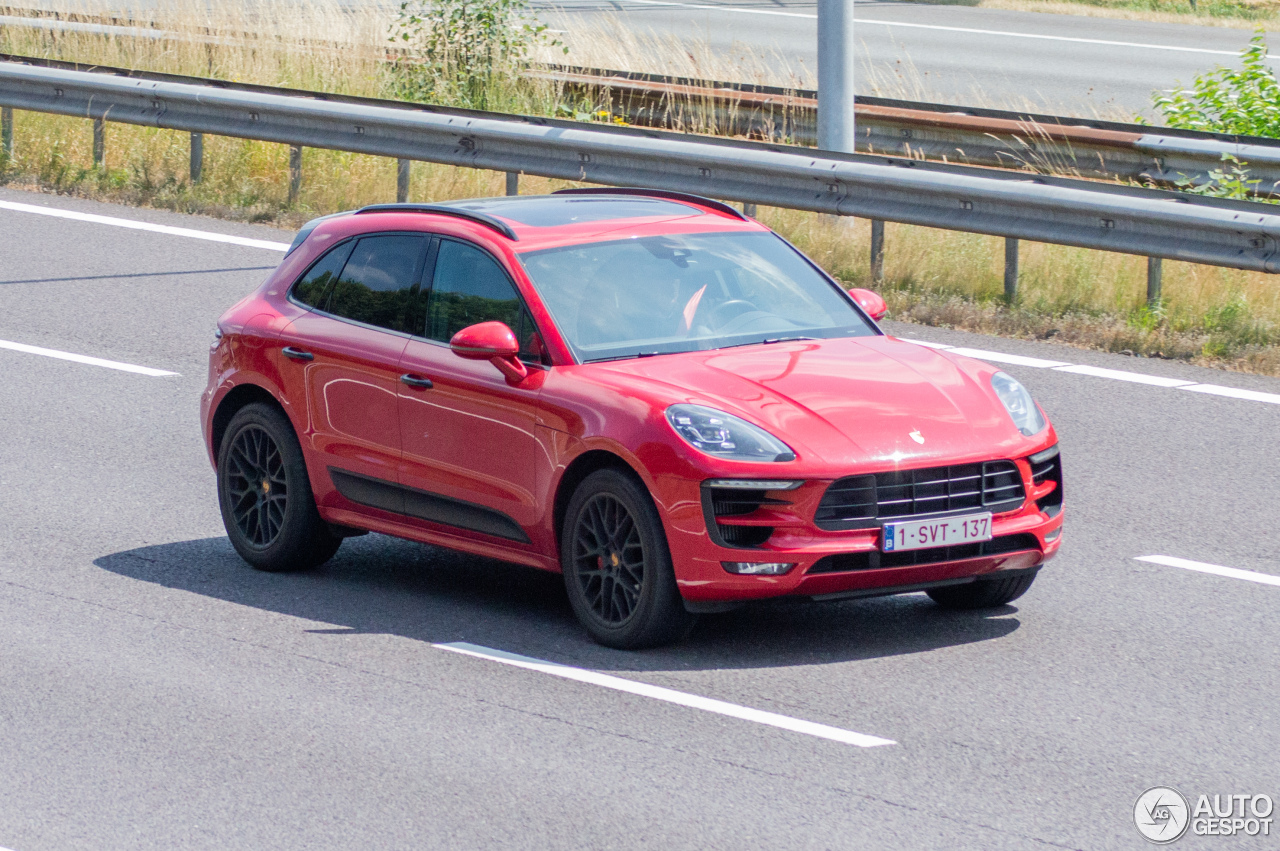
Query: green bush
[461, 52]
[1226, 100]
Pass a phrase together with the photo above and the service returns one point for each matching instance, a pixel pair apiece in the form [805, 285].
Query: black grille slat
[846, 562]
[856, 501]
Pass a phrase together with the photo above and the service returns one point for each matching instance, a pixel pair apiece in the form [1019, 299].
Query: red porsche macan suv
[646, 391]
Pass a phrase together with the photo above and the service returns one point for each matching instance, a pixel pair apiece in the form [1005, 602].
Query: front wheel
[983, 593]
[617, 567]
[265, 494]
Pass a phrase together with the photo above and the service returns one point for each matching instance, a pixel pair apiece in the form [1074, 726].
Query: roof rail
[444, 210]
[718, 206]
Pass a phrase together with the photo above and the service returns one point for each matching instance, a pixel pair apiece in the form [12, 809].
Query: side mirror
[494, 342]
[869, 301]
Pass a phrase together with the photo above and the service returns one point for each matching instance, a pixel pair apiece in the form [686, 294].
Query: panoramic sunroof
[550, 211]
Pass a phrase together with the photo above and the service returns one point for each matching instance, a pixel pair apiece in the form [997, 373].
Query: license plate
[938, 532]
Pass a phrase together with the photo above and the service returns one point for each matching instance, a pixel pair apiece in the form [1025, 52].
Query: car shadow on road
[382, 585]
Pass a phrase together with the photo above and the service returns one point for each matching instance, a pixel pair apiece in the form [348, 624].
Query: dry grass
[1221, 317]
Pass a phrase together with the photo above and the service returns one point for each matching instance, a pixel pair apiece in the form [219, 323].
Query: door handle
[416, 381]
[297, 354]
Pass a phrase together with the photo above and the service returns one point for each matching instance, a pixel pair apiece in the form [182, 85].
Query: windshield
[686, 292]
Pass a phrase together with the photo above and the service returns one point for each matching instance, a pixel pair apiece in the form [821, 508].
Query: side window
[380, 285]
[469, 287]
[313, 288]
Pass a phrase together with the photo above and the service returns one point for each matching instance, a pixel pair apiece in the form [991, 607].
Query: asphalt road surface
[156, 693]
[948, 54]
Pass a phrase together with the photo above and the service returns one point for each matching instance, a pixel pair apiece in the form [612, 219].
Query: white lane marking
[1234, 393]
[1099, 372]
[1215, 569]
[1001, 357]
[109, 364]
[1121, 375]
[147, 226]
[1003, 33]
[667, 695]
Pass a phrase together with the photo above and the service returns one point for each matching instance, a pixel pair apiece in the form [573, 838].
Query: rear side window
[312, 288]
[469, 287]
[380, 284]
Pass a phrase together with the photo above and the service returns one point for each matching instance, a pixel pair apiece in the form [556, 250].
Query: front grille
[859, 502]
[845, 562]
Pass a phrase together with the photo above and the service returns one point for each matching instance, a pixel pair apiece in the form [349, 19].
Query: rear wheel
[265, 494]
[617, 567]
[983, 593]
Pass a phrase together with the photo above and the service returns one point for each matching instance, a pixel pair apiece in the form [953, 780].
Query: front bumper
[845, 563]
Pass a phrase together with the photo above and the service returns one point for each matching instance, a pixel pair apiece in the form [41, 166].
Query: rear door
[341, 359]
[470, 451]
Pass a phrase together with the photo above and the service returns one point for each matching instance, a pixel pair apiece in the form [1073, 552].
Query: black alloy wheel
[256, 486]
[617, 567]
[265, 494]
[608, 558]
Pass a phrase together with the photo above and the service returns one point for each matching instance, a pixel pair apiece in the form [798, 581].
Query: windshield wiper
[767, 341]
[626, 357]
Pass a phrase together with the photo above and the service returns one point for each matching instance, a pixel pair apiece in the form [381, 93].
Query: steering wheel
[729, 310]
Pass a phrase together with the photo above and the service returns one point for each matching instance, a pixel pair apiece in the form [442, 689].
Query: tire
[983, 593]
[617, 567]
[265, 496]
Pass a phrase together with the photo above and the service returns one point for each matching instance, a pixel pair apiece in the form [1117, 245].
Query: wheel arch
[237, 398]
[584, 465]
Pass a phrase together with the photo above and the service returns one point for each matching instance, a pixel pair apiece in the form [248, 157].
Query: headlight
[1018, 402]
[726, 436]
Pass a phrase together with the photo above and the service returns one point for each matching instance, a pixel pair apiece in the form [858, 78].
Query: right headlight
[726, 436]
[1018, 402]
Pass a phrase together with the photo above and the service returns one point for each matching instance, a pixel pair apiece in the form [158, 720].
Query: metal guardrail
[1107, 217]
[997, 138]
[1029, 141]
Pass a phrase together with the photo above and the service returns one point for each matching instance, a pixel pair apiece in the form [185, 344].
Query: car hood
[848, 400]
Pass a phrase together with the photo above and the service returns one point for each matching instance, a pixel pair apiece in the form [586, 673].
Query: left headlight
[726, 436]
[1018, 402]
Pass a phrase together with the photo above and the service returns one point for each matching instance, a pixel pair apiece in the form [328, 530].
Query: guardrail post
[513, 183]
[749, 210]
[877, 251]
[295, 172]
[99, 142]
[6, 132]
[402, 180]
[197, 157]
[1154, 274]
[1010, 269]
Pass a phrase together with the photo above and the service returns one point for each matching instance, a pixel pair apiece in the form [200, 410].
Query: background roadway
[942, 53]
[158, 693]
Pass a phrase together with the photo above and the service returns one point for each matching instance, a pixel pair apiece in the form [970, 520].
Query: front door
[343, 359]
[470, 452]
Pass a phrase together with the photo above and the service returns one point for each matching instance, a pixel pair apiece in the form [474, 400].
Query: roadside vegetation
[457, 52]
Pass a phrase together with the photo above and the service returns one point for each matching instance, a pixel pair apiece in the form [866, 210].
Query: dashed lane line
[1215, 569]
[91, 361]
[133, 224]
[706, 704]
[1111, 374]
